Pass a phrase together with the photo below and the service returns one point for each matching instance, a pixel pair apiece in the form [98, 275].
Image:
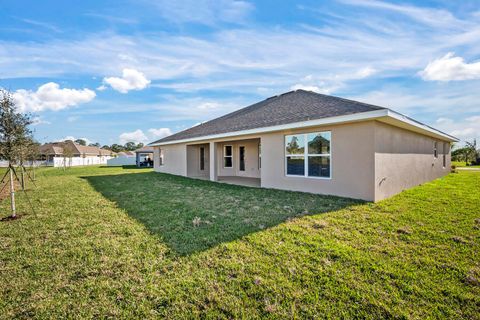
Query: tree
[67, 154]
[469, 153]
[130, 146]
[473, 151]
[26, 152]
[81, 142]
[462, 154]
[14, 137]
[140, 145]
[106, 147]
[96, 144]
[117, 148]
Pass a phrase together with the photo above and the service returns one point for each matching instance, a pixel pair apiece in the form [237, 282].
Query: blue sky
[117, 71]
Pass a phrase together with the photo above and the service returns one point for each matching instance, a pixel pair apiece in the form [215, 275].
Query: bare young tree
[67, 155]
[14, 136]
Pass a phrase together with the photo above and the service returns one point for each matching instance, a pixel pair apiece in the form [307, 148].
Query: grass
[124, 243]
[460, 164]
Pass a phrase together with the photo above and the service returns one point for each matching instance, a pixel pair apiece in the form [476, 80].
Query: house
[304, 141]
[144, 156]
[123, 158]
[69, 153]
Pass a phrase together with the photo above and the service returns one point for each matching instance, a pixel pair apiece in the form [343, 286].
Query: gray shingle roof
[290, 107]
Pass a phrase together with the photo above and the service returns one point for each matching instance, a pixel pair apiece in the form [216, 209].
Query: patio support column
[213, 160]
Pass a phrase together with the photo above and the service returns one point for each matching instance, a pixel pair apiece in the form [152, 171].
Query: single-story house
[123, 158]
[144, 156]
[69, 153]
[310, 142]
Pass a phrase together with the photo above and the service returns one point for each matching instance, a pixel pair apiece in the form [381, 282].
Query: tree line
[470, 153]
[129, 146]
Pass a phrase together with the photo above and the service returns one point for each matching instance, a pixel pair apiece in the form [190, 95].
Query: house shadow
[191, 215]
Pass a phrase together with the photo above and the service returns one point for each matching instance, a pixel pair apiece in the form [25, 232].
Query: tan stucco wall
[352, 151]
[175, 159]
[404, 159]
[251, 159]
[370, 160]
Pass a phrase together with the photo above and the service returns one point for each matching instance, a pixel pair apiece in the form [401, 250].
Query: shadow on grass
[192, 215]
[130, 167]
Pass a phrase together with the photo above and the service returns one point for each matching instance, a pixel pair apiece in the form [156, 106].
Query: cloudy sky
[121, 70]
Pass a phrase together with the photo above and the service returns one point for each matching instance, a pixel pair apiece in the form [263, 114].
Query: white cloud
[474, 119]
[208, 106]
[72, 118]
[131, 80]
[50, 97]
[450, 68]
[205, 12]
[364, 73]
[300, 86]
[136, 136]
[38, 121]
[462, 133]
[159, 133]
[428, 16]
[444, 121]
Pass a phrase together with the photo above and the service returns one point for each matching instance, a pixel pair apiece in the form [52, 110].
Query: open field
[116, 242]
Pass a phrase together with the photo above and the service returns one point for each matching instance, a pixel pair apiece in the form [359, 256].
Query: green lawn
[462, 164]
[130, 243]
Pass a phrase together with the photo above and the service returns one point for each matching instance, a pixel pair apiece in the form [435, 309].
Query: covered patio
[234, 162]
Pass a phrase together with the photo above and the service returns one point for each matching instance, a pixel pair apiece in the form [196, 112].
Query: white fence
[4, 164]
[77, 161]
[122, 161]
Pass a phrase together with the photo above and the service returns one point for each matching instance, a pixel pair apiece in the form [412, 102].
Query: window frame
[259, 155]
[201, 150]
[161, 158]
[435, 149]
[444, 156]
[306, 155]
[240, 158]
[225, 156]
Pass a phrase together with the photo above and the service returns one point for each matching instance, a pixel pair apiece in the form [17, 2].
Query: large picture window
[227, 157]
[308, 154]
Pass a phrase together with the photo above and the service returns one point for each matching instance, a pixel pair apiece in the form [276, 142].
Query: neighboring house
[144, 157]
[69, 153]
[310, 142]
[123, 158]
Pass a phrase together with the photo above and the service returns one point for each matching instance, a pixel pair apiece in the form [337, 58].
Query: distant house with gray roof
[305, 141]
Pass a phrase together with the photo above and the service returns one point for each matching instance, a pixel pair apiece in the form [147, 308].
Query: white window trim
[260, 156]
[305, 156]
[161, 157]
[225, 156]
[244, 158]
[444, 155]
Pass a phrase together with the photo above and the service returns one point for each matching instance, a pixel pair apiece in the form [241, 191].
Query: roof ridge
[343, 99]
[288, 107]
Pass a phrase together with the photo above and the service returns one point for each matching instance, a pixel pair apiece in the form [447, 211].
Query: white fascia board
[382, 114]
[420, 127]
[295, 125]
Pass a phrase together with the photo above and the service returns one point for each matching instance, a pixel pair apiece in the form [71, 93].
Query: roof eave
[384, 115]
